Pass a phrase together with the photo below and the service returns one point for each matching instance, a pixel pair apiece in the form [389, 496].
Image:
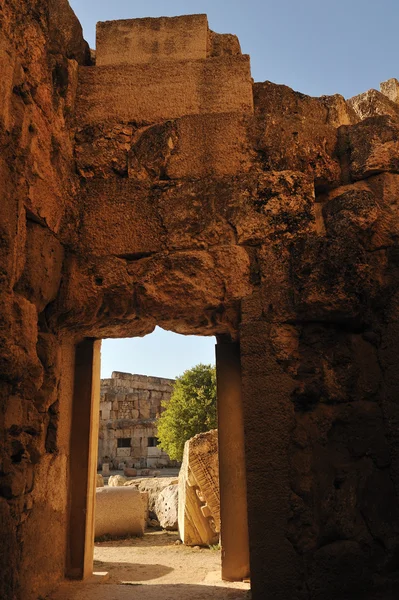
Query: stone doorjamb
[83, 459]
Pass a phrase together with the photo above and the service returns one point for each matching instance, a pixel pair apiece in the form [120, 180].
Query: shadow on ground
[104, 591]
[120, 572]
[150, 538]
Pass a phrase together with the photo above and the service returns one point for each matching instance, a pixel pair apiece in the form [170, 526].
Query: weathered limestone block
[311, 294]
[143, 41]
[195, 274]
[41, 277]
[191, 147]
[166, 507]
[153, 486]
[120, 512]
[66, 32]
[18, 340]
[223, 44]
[390, 89]
[199, 499]
[167, 90]
[112, 200]
[362, 210]
[100, 480]
[372, 104]
[340, 112]
[284, 202]
[374, 146]
[101, 150]
[294, 132]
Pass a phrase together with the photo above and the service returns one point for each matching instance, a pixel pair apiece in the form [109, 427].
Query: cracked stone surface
[180, 194]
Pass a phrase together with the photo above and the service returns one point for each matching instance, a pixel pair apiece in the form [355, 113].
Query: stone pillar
[233, 491]
[83, 459]
[269, 422]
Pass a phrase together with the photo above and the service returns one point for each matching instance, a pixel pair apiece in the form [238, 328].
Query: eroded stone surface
[199, 499]
[153, 487]
[166, 507]
[116, 217]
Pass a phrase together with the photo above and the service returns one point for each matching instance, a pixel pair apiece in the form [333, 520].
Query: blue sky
[314, 46]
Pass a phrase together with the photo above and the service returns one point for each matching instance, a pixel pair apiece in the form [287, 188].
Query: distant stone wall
[129, 408]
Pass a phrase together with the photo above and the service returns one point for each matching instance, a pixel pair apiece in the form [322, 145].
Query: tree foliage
[191, 409]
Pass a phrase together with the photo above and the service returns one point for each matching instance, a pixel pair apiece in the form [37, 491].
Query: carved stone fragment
[199, 501]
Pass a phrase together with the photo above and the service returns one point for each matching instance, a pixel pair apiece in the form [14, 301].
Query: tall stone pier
[160, 186]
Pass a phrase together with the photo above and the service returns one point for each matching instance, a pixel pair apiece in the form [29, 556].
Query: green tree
[191, 409]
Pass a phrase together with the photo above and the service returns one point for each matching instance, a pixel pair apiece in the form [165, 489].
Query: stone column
[83, 459]
[233, 491]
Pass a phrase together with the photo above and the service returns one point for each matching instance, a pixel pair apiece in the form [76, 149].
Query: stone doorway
[83, 461]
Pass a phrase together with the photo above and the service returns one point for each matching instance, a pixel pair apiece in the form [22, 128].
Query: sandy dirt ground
[153, 568]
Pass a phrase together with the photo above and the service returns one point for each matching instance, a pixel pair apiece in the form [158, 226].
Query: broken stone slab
[166, 507]
[120, 511]
[199, 497]
[116, 481]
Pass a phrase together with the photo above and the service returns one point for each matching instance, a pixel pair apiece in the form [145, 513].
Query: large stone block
[120, 511]
[192, 147]
[297, 132]
[138, 41]
[164, 90]
[199, 497]
[130, 215]
[374, 146]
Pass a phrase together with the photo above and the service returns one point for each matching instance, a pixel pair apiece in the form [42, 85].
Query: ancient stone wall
[129, 408]
[249, 212]
[41, 45]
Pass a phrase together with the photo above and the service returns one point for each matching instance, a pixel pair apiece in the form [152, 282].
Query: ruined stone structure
[162, 187]
[129, 408]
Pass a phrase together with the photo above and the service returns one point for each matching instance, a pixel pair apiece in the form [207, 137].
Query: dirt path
[154, 568]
